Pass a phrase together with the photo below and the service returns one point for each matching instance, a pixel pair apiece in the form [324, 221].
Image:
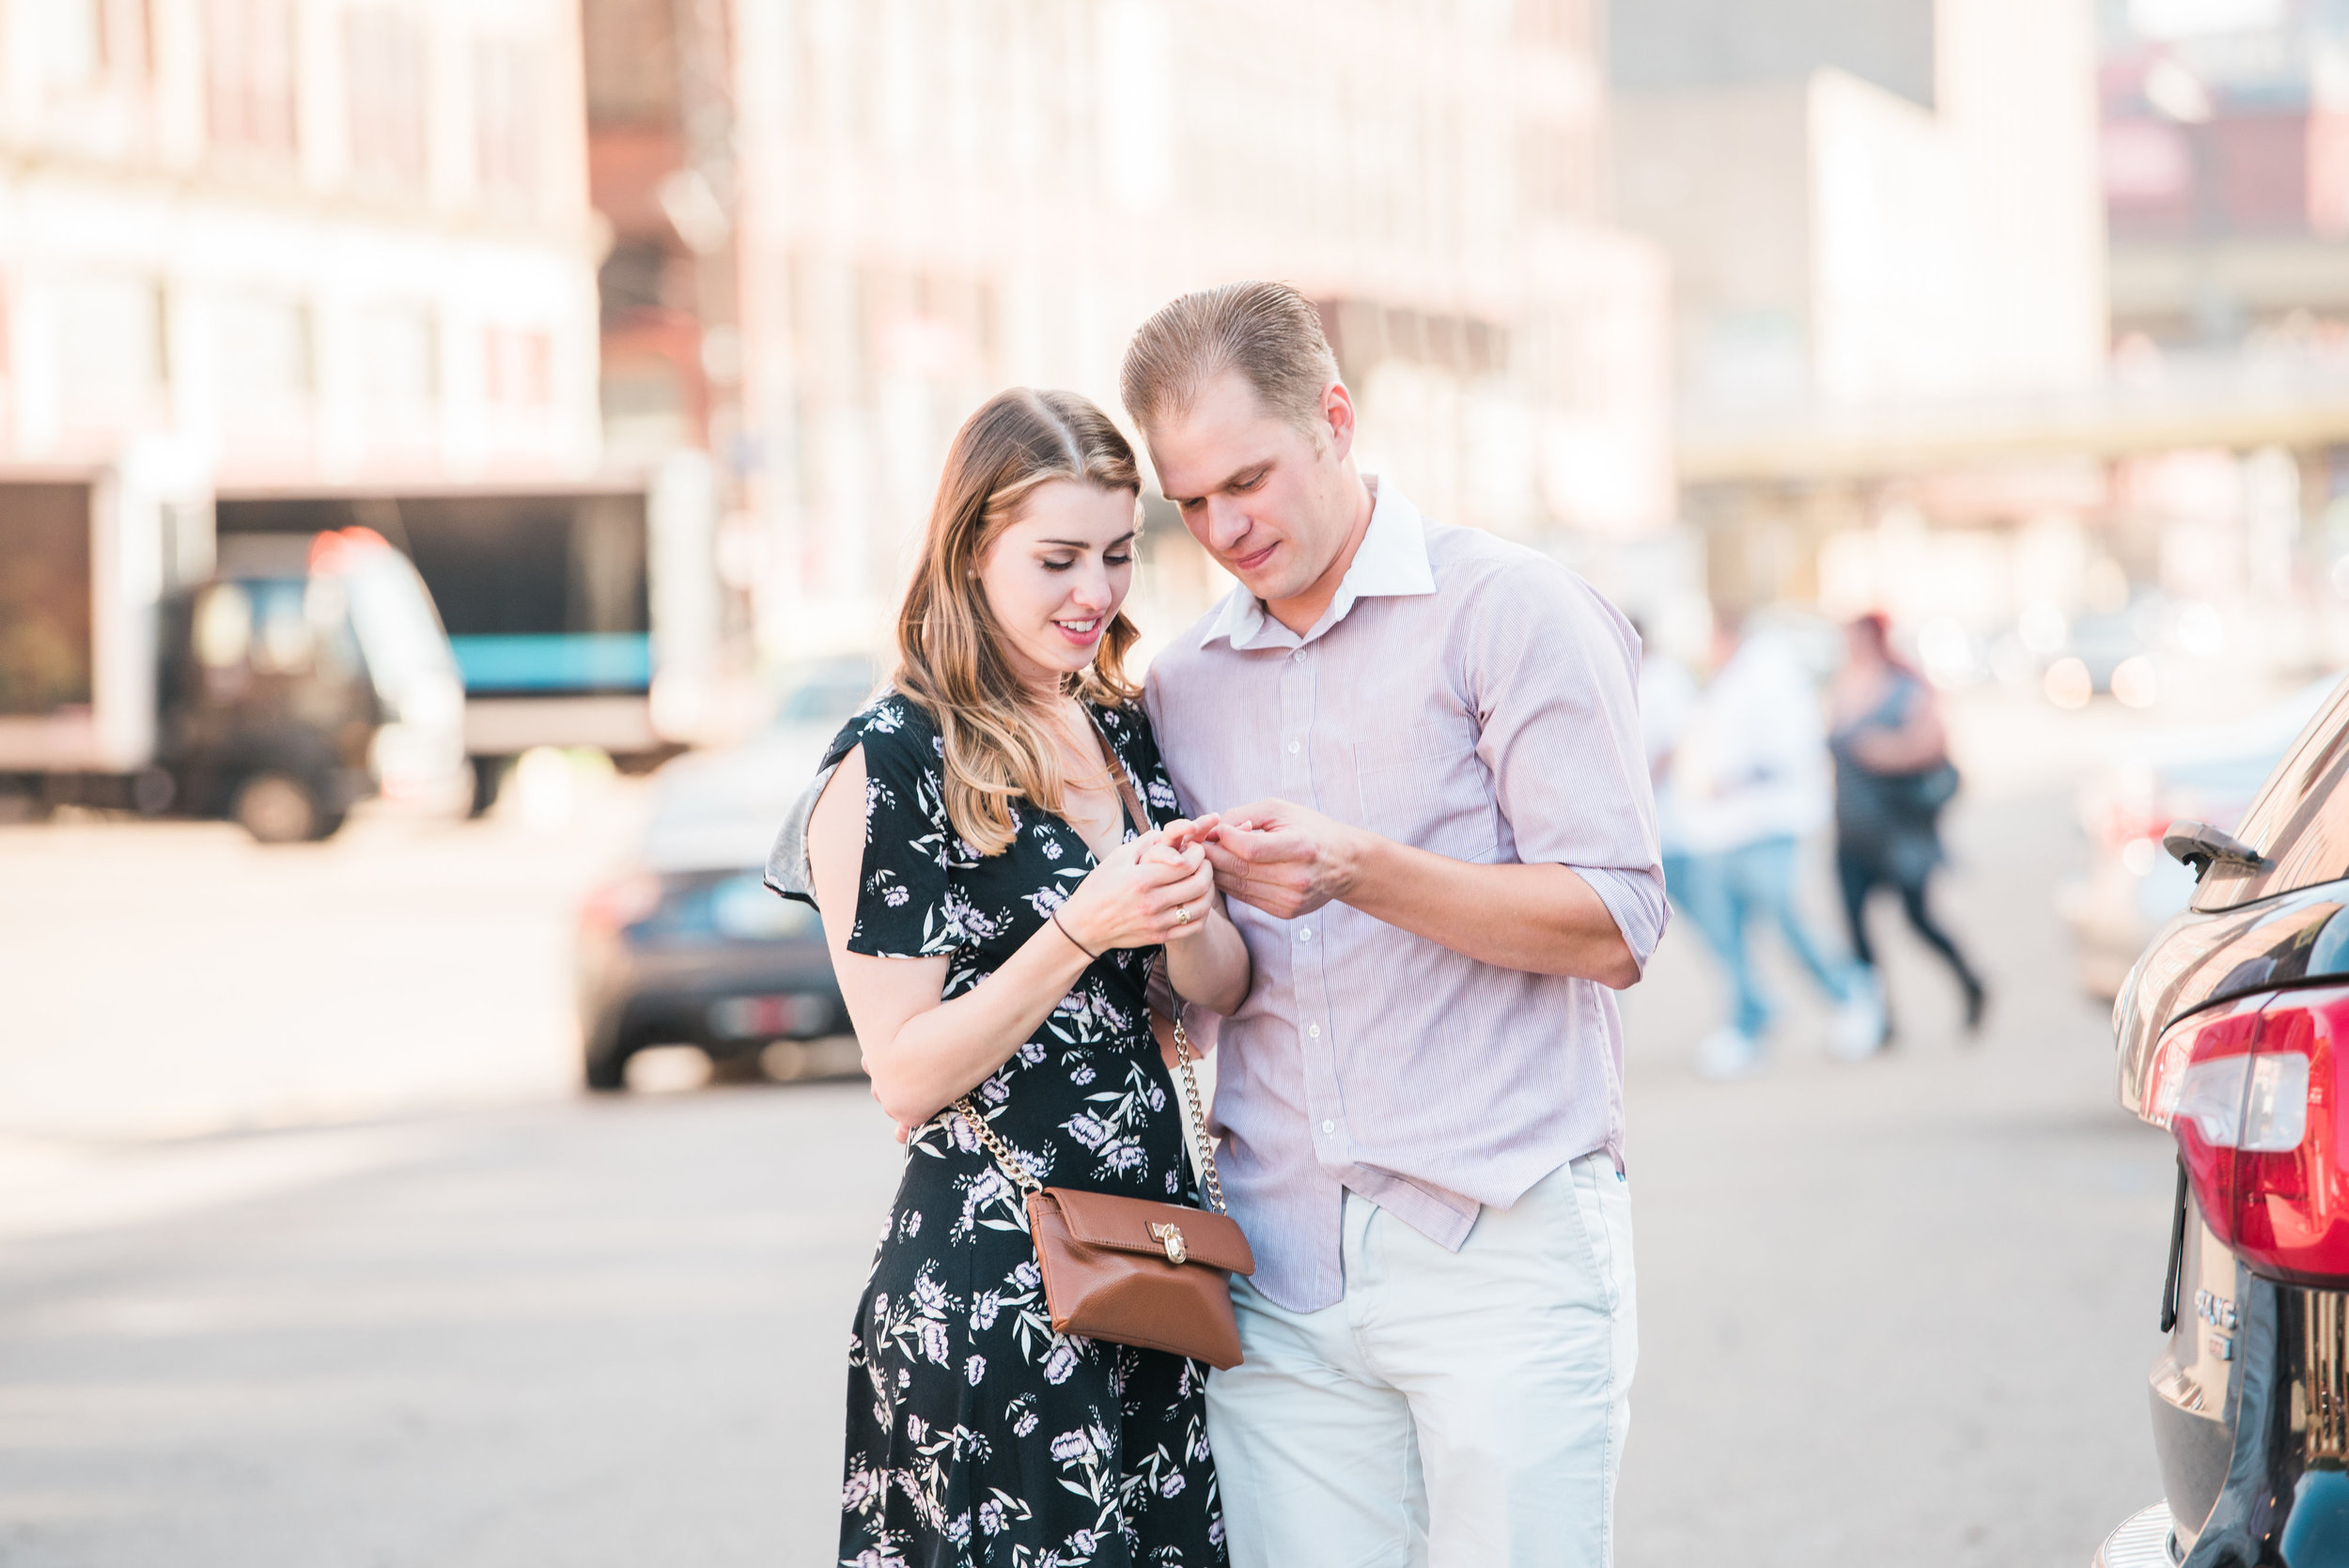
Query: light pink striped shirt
[1474, 698]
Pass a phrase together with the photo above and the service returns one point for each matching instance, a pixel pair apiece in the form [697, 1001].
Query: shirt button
[1305, 934]
[1298, 656]
[1329, 1126]
[1292, 748]
[1314, 1030]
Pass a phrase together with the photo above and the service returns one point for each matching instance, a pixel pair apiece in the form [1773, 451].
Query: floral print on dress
[977, 1437]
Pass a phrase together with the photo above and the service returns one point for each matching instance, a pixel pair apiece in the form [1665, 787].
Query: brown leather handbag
[1129, 1271]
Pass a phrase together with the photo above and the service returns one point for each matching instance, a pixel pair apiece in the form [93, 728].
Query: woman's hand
[1144, 892]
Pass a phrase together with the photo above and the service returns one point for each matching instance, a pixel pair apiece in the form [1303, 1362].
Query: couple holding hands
[1380, 828]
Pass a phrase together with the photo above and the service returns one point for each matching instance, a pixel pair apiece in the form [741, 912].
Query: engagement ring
[1182, 914]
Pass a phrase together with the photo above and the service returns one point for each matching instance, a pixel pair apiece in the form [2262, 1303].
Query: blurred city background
[456, 465]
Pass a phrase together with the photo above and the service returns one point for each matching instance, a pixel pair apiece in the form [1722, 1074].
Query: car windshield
[2300, 822]
[395, 622]
[829, 695]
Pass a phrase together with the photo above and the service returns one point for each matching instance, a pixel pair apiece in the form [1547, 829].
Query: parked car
[686, 945]
[2234, 1036]
[2206, 774]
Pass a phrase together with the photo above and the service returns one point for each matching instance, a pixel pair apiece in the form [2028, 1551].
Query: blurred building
[839, 225]
[2226, 173]
[313, 240]
[1867, 202]
[2036, 364]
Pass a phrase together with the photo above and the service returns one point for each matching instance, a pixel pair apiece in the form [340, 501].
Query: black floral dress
[976, 1435]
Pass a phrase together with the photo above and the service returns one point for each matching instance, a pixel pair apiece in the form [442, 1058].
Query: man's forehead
[1219, 434]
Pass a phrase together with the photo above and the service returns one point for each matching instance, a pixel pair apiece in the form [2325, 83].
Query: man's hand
[1542, 918]
[1284, 859]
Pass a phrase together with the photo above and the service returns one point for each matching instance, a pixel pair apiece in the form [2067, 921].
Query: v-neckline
[1125, 823]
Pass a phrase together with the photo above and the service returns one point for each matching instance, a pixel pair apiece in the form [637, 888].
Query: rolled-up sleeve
[1554, 671]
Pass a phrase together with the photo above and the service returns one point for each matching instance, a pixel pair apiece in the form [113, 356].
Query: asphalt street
[312, 1259]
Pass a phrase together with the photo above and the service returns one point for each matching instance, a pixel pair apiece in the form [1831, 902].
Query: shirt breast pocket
[1426, 788]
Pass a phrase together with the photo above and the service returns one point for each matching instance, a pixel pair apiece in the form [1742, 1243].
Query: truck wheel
[488, 773]
[152, 791]
[607, 1074]
[278, 808]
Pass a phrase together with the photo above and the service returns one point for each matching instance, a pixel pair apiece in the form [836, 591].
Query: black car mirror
[2197, 846]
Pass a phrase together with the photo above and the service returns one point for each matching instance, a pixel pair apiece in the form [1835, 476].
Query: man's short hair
[1266, 331]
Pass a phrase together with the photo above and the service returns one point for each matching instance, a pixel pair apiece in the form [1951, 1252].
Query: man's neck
[1300, 612]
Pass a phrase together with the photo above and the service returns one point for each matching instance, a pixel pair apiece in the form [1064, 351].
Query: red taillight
[621, 902]
[2248, 1092]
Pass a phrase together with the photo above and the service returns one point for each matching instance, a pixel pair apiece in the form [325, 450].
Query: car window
[832, 701]
[2300, 822]
[828, 693]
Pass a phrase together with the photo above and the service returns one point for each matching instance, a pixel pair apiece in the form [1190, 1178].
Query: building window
[249, 86]
[262, 344]
[1556, 24]
[116, 326]
[519, 370]
[383, 80]
[73, 43]
[505, 117]
[399, 361]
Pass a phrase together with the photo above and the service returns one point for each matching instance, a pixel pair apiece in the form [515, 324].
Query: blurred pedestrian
[1744, 779]
[1445, 866]
[996, 901]
[1892, 777]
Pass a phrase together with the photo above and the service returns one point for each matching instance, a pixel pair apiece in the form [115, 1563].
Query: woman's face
[1056, 574]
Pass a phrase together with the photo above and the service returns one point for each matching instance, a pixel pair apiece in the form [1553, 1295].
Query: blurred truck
[582, 614]
[274, 682]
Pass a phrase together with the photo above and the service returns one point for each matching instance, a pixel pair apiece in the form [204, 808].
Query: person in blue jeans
[1743, 774]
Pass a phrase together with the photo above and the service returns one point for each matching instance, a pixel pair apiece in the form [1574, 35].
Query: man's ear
[1337, 417]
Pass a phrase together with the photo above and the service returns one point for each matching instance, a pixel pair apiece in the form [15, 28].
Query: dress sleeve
[905, 905]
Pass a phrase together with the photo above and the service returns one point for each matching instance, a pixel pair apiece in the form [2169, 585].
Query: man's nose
[1227, 523]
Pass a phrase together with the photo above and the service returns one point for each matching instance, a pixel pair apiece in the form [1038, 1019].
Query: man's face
[1269, 503]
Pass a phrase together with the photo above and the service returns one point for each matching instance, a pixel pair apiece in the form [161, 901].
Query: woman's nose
[1092, 590]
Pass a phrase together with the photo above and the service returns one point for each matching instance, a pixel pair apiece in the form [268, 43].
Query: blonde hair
[951, 654]
[1267, 332]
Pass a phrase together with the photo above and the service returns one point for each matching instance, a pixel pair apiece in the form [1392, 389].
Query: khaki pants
[1455, 1410]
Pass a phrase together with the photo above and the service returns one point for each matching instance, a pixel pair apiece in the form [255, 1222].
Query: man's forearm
[1544, 919]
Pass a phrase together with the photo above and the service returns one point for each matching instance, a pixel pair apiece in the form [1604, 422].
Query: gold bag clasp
[1172, 1237]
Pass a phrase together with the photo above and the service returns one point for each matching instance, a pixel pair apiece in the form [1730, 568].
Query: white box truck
[142, 667]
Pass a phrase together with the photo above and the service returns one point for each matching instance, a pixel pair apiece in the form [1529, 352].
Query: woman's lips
[1085, 639]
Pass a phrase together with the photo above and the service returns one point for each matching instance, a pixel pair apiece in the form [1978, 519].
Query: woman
[1892, 776]
[994, 917]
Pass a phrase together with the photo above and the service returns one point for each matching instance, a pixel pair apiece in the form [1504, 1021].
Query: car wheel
[278, 808]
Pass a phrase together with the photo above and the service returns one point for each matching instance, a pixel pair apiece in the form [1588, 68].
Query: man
[1440, 848]
[1742, 783]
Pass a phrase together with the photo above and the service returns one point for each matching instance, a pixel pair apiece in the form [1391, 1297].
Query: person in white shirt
[1744, 780]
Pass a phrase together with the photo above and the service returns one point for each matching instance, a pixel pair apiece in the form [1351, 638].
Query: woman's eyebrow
[1087, 544]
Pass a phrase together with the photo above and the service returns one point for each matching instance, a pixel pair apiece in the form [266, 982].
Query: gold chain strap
[1018, 1173]
[995, 1146]
[1199, 1121]
[1026, 1181]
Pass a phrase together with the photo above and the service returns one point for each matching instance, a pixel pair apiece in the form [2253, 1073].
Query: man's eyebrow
[1226, 482]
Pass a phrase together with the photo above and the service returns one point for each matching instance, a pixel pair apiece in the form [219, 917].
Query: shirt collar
[1390, 563]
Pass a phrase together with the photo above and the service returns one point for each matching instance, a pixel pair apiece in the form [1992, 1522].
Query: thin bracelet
[1073, 942]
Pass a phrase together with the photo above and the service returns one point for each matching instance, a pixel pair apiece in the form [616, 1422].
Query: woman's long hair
[999, 747]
